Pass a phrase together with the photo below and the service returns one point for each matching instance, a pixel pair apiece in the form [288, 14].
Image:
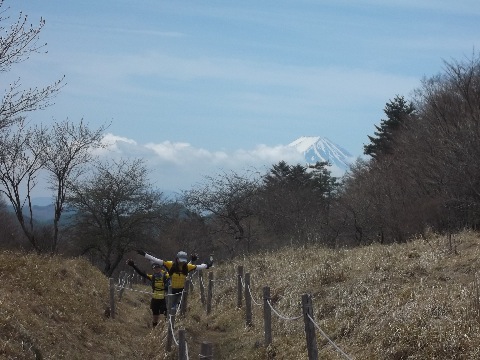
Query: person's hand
[210, 262]
[141, 252]
[194, 257]
[130, 262]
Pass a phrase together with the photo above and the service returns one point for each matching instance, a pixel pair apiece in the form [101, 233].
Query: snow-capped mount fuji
[316, 148]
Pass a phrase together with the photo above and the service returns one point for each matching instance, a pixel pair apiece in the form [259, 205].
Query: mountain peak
[316, 148]
[304, 142]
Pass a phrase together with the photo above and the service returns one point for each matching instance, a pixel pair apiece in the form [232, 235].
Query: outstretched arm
[206, 265]
[153, 259]
[140, 272]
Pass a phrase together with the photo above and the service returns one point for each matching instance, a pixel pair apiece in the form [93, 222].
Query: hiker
[159, 280]
[178, 270]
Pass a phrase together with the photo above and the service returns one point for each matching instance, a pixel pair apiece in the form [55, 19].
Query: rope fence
[328, 339]
[244, 295]
[251, 296]
[283, 317]
[170, 322]
[120, 288]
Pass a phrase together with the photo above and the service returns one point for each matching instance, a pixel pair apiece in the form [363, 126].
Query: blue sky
[199, 87]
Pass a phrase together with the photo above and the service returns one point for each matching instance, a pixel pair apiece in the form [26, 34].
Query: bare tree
[61, 151]
[430, 178]
[19, 40]
[10, 232]
[359, 219]
[20, 161]
[20, 158]
[116, 211]
[66, 149]
[450, 122]
[227, 200]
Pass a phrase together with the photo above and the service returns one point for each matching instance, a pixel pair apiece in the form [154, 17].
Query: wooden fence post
[112, 298]
[307, 309]
[202, 287]
[248, 301]
[210, 292]
[267, 316]
[239, 286]
[182, 345]
[206, 351]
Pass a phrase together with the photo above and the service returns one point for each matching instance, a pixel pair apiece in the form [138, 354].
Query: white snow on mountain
[316, 148]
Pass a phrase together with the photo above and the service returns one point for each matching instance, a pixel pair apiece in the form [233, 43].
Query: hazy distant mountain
[41, 214]
[43, 201]
[316, 148]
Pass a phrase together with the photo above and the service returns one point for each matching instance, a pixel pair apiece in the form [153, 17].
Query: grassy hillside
[54, 308]
[418, 300]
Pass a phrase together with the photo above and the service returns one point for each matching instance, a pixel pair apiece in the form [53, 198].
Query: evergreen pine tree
[397, 111]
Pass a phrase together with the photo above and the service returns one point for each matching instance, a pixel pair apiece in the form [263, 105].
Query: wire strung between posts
[221, 280]
[200, 278]
[171, 329]
[180, 303]
[251, 296]
[190, 277]
[282, 316]
[177, 309]
[126, 288]
[186, 350]
[328, 339]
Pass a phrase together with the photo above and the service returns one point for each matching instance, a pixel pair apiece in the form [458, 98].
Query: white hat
[182, 256]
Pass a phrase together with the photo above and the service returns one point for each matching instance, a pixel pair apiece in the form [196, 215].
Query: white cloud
[184, 153]
[112, 141]
[115, 144]
[176, 166]
[264, 154]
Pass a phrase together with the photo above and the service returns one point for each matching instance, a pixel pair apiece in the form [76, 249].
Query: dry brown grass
[418, 300]
[54, 308]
